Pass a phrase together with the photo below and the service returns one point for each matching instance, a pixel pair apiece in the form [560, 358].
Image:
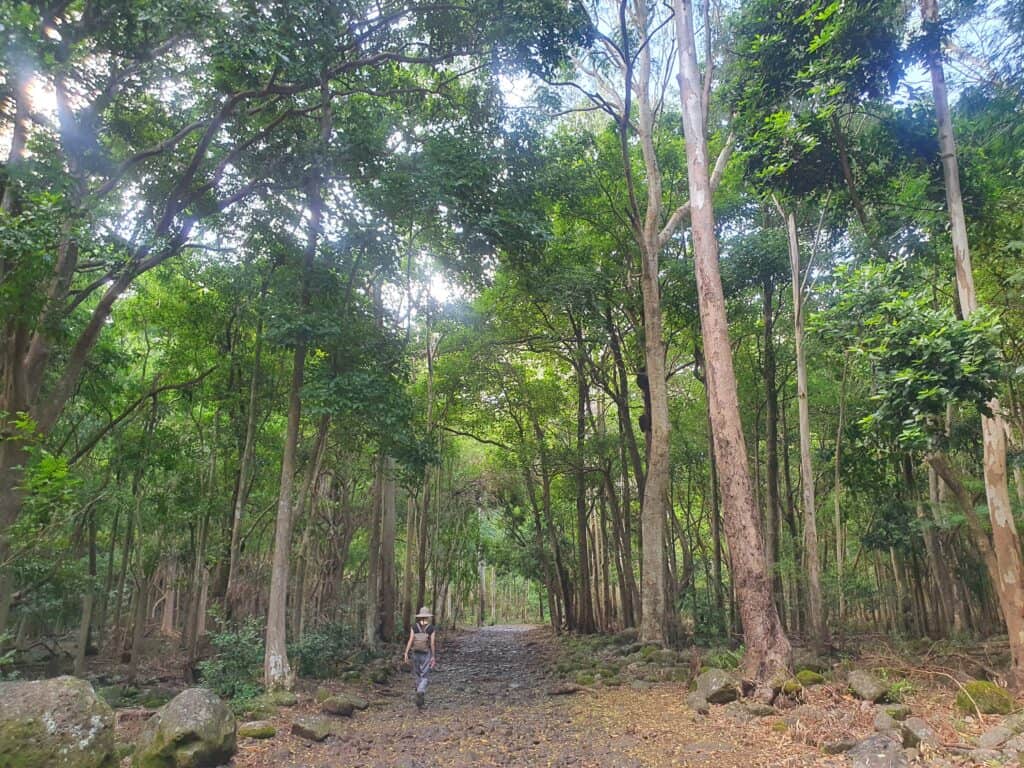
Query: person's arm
[433, 649]
[408, 645]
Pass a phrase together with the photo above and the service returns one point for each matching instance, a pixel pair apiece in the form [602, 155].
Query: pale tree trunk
[387, 552]
[768, 649]
[277, 672]
[370, 620]
[837, 489]
[88, 601]
[812, 560]
[585, 606]
[773, 507]
[411, 510]
[170, 593]
[244, 471]
[306, 497]
[1005, 539]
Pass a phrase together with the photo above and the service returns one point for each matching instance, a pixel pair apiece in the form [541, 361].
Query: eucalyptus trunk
[1009, 582]
[768, 649]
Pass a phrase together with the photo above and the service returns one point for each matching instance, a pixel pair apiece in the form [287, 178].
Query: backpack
[421, 640]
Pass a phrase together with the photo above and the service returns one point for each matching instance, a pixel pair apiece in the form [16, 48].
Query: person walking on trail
[424, 652]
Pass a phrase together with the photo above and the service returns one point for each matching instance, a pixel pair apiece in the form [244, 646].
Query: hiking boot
[420, 700]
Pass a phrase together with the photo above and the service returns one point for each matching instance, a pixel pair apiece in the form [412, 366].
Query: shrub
[324, 652]
[235, 671]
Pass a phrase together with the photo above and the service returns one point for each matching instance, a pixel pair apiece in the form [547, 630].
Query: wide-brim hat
[424, 613]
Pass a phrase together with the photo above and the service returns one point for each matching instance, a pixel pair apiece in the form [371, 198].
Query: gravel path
[489, 705]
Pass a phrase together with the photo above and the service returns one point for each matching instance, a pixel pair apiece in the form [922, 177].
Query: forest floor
[491, 703]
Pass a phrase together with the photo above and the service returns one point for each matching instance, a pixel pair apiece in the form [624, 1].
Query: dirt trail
[489, 705]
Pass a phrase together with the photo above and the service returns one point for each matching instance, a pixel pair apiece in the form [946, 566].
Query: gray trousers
[420, 670]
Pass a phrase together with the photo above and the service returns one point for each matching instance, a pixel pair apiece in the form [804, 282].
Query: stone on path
[995, 737]
[194, 730]
[257, 729]
[866, 686]
[337, 705]
[917, 732]
[698, 703]
[57, 723]
[313, 728]
[717, 686]
[878, 751]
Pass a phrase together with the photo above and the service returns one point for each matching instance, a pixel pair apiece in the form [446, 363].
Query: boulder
[565, 689]
[865, 685]
[995, 737]
[878, 751]
[257, 729]
[989, 698]
[313, 728]
[717, 686]
[337, 705]
[809, 677]
[844, 744]
[896, 711]
[884, 722]
[917, 732]
[195, 729]
[58, 723]
[698, 703]
[280, 698]
[806, 660]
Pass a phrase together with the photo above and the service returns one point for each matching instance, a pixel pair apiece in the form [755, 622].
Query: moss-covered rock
[194, 730]
[989, 698]
[57, 723]
[281, 698]
[584, 678]
[718, 686]
[808, 677]
[792, 687]
[257, 729]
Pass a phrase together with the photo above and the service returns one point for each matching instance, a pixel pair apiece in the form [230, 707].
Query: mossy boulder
[792, 687]
[339, 706]
[280, 698]
[194, 730]
[57, 723]
[808, 677]
[989, 698]
[257, 729]
[717, 686]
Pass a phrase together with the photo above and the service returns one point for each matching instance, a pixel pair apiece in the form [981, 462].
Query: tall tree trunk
[277, 672]
[244, 472]
[410, 533]
[585, 604]
[387, 552]
[1005, 539]
[768, 649]
[837, 487]
[812, 559]
[371, 623]
[771, 441]
[170, 595]
[306, 497]
[88, 600]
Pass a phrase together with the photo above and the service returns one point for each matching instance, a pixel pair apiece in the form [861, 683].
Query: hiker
[424, 657]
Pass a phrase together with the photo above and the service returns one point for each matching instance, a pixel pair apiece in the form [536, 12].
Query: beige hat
[424, 613]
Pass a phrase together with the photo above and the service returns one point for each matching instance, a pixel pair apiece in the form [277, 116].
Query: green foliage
[986, 697]
[235, 671]
[325, 651]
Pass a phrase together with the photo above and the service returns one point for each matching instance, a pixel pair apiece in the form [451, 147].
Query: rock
[761, 710]
[995, 737]
[565, 689]
[280, 698]
[844, 744]
[878, 751]
[257, 729]
[809, 677]
[984, 756]
[885, 722]
[154, 698]
[58, 723]
[806, 660]
[916, 732]
[337, 705]
[897, 711]
[866, 686]
[717, 686]
[1015, 723]
[321, 695]
[312, 728]
[116, 695]
[195, 729]
[989, 698]
[641, 685]
[698, 703]
[792, 687]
